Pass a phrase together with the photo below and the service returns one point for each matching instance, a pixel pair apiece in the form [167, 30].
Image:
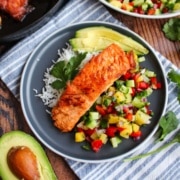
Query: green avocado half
[18, 138]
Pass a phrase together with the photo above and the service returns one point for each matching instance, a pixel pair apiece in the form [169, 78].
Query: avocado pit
[23, 163]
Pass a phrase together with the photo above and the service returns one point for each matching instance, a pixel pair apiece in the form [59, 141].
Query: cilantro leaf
[171, 29]
[66, 70]
[167, 123]
[175, 77]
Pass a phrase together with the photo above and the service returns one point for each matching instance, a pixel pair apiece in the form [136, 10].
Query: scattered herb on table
[175, 77]
[171, 29]
[176, 139]
[167, 123]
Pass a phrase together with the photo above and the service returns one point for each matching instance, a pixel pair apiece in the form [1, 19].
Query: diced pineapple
[127, 130]
[119, 96]
[135, 127]
[142, 118]
[113, 119]
[103, 137]
[79, 136]
[115, 3]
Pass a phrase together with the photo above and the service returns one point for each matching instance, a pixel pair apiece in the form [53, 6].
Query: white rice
[48, 95]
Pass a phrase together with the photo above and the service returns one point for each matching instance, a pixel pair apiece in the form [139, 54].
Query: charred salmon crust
[92, 80]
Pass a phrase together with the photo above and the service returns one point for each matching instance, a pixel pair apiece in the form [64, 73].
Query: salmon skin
[17, 9]
[92, 80]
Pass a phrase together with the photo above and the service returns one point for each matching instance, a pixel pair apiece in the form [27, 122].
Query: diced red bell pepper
[155, 83]
[110, 131]
[96, 145]
[89, 132]
[129, 116]
[136, 134]
[127, 76]
[151, 11]
[119, 129]
[101, 110]
[142, 85]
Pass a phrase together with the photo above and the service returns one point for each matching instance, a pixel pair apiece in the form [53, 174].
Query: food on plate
[92, 80]
[148, 7]
[17, 9]
[97, 38]
[22, 157]
[119, 112]
[100, 90]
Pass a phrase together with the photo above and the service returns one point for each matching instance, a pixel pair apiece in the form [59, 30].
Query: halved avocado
[15, 139]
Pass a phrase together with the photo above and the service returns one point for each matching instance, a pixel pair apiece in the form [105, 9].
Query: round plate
[40, 121]
[160, 16]
[12, 30]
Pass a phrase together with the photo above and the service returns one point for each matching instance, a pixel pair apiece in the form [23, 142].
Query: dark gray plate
[40, 121]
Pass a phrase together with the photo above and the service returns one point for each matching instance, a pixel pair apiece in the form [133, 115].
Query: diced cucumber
[149, 73]
[158, 11]
[91, 121]
[138, 2]
[94, 115]
[145, 6]
[128, 98]
[124, 89]
[137, 102]
[115, 141]
[130, 83]
[141, 59]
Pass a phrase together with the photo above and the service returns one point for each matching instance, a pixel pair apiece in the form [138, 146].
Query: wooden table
[11, 116]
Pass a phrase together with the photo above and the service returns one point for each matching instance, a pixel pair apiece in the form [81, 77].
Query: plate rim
[89, 23]
[163, 16]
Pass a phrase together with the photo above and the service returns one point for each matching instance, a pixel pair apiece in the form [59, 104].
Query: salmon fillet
[16, 8]
[92, 80]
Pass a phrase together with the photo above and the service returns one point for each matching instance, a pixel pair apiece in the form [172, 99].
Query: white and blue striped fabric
[163, 166]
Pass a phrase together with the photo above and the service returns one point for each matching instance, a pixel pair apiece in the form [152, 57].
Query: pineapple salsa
[120, 112]
[149, 7]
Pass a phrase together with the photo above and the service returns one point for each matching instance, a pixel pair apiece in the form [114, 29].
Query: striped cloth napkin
[163, 166]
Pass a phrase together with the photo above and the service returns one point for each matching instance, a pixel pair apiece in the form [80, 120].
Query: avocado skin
[19, 138]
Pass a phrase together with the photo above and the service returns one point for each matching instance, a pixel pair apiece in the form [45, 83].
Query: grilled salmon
[92, 80]
[17, 9]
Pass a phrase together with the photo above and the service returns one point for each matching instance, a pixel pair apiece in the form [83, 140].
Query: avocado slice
[96, 38]
[18, 138]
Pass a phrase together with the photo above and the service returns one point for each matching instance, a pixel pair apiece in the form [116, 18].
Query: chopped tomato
[136, 134]
[142, 85]
[96, 145]
[110, 131]
[151, 11]
[101, 110]
[129, 116]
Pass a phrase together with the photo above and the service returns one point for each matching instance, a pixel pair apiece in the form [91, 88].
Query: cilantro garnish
[66, 70]
[175, 78]
[171, 29]
[167, 124]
